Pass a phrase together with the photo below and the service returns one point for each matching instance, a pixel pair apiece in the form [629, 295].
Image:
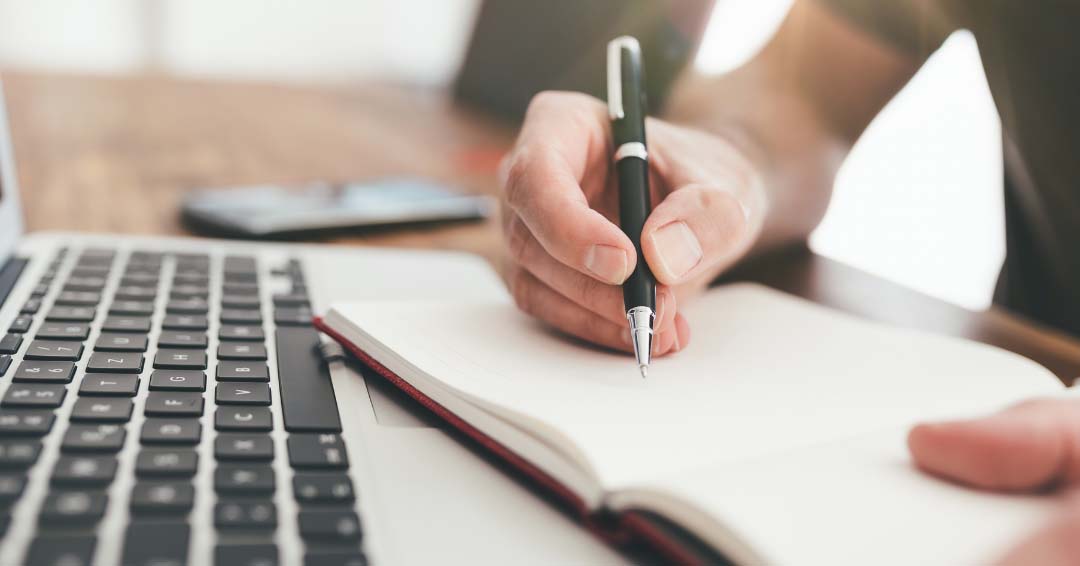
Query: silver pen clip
[614, 73]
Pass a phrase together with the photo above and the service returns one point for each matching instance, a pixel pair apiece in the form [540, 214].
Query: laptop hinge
[9, 276]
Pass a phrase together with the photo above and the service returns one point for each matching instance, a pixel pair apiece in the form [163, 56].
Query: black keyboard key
[21, 324]
[289, 316]
[185, 322]
[317, 451]
[250, 447]
[61, 550]
[291, 300]
[118, 384]
[242, 371]
[239, 264]
[44, 372]
[337, 525]
[31, 306]
[135, 293]
[241, 316]
[177, 380]
[173, 404]
[25, 422]
[156, 543]
[102, 410]
[307, 395]
[89, 282]
[19, 453]
[10, 344]
[115, 362]
[189, 292]
[176, 339]
[241, 301]
[246, 555]
[243, 419]
[5, 363]
[83, 271]
[241, 333]
[126, 324]
[322, 488]
[240, 288]
[34, 395]
[332, 557]
[160, 462]
[148, 280]
[241, 480]
[171, 431]
[40, 289]
[230, 393]
[11, 488]
[84, 471]
[117, 342]
[179, 359]
[76, 331]
[107, 438]
[71, 314]
[78, 298]
[71, 507]
[193, 305]
[162, 497]
[131, 308]
[241, 351]
[191, 277]
[248, 515]
[53, 350]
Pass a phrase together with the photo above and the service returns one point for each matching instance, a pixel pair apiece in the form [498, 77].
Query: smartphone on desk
[269, 211]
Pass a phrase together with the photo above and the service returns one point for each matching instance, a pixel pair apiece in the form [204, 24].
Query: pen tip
[644, 371]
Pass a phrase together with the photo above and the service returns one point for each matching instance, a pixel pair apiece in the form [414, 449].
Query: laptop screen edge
[11, 222]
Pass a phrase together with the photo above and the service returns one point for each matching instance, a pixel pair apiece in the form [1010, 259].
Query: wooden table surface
[118, 154]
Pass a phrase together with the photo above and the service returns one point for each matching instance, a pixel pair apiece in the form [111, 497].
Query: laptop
[166, 401]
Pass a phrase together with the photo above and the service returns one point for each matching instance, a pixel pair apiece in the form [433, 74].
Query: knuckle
[520, 290]
[517, 240]
[517, 187]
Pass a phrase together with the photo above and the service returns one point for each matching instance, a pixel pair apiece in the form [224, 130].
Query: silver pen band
[631, 149]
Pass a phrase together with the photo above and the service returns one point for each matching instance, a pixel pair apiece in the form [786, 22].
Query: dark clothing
[1031, 55]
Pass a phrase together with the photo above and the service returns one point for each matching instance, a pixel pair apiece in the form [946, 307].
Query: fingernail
[678, 248]
[607, 263]
[678, 344]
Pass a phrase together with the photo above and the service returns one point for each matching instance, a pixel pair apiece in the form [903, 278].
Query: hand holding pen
[568, 255]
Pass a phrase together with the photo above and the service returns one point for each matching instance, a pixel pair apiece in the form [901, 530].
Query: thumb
[1033, 445]
[693, 230]
[1058, 544]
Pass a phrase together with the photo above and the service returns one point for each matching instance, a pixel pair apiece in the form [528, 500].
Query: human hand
[1033, 446]
[560, 208]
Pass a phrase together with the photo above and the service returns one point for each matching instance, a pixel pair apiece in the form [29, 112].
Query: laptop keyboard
[139, 365]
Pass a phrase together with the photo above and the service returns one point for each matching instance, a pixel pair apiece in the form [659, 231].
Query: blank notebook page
[765, 373]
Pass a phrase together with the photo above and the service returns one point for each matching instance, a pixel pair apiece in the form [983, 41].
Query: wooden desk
[117, 155]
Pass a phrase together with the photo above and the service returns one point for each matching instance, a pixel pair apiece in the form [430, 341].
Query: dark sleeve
[914, 27]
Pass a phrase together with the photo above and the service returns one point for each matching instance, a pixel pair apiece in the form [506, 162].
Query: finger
[694, 230]
[601, 298]
[1033, 445]
[537, 299]
[1058, 544]
[565, 135]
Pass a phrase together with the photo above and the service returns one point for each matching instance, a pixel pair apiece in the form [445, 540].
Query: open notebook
[776, 437]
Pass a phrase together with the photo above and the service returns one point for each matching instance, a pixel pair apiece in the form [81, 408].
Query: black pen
[626, 108]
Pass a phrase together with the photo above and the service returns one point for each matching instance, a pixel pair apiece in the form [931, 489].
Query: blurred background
[918, 202]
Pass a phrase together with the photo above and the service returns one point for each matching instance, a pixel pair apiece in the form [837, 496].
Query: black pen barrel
[634, 207]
